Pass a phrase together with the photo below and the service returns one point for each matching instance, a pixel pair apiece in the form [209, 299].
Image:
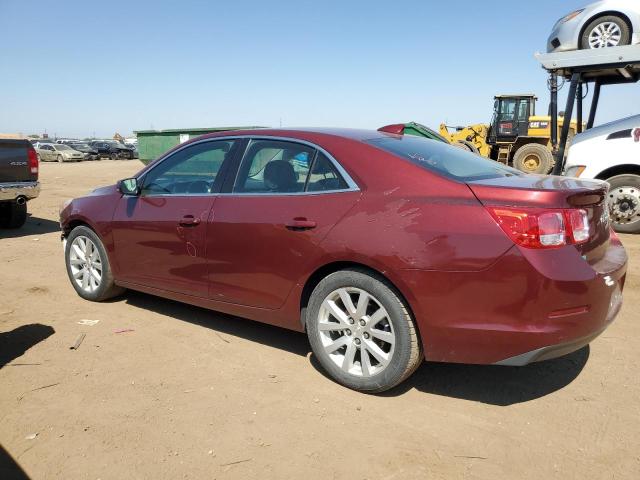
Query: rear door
[285, 199]
[160, 236]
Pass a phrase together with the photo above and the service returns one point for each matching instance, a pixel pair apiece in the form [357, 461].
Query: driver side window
[191, 171]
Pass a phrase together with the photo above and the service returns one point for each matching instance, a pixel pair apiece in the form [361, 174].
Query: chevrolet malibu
[385, 248]
[601, 24]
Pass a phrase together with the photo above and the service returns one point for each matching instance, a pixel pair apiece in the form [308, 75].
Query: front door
[285, 199]
[160, 235]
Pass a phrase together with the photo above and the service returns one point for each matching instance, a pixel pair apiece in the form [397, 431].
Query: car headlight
[575, 171]
[571, 16]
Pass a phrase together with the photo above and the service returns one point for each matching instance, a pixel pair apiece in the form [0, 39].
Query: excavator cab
[511, 118]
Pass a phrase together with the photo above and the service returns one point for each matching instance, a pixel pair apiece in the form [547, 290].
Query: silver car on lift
[603, 24]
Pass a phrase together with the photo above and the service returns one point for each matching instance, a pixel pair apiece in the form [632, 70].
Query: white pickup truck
[611, 152]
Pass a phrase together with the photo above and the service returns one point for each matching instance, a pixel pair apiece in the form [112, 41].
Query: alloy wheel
[606, 34]
[356, 332]
[86, 264]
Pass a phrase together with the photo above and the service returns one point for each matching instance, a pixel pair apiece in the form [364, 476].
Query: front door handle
[189, 221]
[300, 223]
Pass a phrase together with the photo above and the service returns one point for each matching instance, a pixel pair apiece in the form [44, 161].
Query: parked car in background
[105, 149]
[611, 152]
[603, 24]
[89, 152]
[385, 248]
[55, 152]
[18, 181]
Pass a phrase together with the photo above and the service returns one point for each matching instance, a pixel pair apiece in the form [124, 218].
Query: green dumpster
[154, 143]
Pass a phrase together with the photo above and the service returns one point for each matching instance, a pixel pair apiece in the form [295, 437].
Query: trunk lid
[542, 191]
[14, 161]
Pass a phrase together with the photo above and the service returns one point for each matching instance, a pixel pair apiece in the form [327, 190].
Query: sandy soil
[189, 393]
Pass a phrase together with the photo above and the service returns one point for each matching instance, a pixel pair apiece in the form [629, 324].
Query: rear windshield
[444, 159]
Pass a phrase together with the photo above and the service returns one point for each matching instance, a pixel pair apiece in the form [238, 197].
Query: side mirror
[129, 186]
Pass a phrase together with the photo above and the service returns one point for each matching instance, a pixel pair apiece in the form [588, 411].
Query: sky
[91, 68]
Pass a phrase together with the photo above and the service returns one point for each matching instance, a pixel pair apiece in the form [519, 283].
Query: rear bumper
[13, 190]
[527, 307]
[555, 351]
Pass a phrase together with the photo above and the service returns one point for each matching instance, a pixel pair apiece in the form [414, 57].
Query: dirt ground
[189, 393]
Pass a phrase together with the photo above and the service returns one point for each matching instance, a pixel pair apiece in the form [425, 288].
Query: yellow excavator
[516, 135]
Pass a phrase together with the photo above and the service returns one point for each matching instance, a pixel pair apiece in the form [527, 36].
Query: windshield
[80, 145]
[452, 162]
[63, 147]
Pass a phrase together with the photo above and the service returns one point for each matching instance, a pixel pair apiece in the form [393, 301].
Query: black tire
[60, 159]
[113, 156]
[12, 215]
[407, 352]
[533, 158]
[107, 288]
[627, 219]
[625, 37]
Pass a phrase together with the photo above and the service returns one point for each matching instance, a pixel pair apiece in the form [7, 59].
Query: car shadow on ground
[496, 385]
[493, 385]
[33, 226]
[15, 343]
[9, 468]
[280, 338]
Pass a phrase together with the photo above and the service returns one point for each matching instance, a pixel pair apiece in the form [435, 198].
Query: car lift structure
[606, 66]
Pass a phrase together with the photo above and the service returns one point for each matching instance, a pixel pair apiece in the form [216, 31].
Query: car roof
[354, 134]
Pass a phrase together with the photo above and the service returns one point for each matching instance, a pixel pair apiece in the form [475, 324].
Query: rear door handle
[300, 223]
[189, 221]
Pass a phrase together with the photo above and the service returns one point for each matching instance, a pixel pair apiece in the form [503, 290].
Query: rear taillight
[33, 161]
[543, 228]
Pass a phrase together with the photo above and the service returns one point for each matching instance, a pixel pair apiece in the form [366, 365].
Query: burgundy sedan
[386, 249]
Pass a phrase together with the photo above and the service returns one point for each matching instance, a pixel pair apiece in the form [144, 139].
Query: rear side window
[444, 159]
[324, 177]
[272, 167]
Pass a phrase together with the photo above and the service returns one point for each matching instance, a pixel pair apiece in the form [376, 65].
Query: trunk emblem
[610, 282]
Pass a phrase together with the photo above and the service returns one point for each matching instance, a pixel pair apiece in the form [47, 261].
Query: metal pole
[594, 105]
[579, 112]
[566, 124]
[553, 110]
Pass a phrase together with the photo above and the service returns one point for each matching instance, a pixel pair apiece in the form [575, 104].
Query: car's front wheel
[88, 266]
[624, 203]
[605, 32]
[361, 331]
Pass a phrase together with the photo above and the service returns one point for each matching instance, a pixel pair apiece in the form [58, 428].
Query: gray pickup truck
[18, 181]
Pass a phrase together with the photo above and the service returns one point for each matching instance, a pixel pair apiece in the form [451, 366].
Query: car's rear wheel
[624, 203]
[361, 331]
[88, 266]
[605, 32]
